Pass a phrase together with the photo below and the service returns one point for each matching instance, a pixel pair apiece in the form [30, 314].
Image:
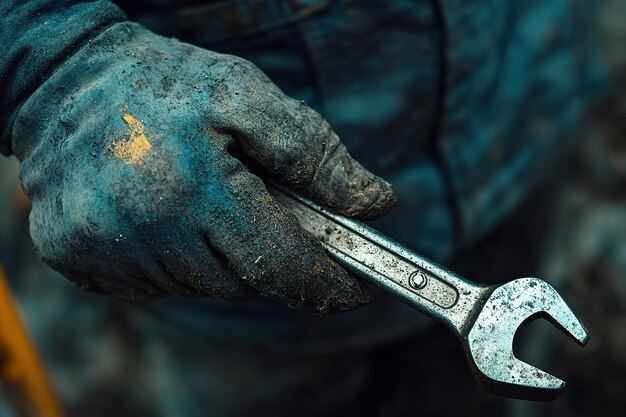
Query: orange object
[22, 203]
[21, 372]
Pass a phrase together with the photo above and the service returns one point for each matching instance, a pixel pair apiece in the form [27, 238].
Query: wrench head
[490, 340]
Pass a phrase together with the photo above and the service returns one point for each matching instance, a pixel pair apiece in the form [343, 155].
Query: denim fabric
[518, 76]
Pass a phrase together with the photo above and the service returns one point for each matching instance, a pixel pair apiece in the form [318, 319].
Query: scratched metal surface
[485, 318]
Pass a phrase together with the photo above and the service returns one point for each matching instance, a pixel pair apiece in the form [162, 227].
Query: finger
[125, 282]
[294, 143]
[121, 279]
[264, 243]
[194, 268]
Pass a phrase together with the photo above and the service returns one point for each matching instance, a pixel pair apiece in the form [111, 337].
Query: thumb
[297, 146]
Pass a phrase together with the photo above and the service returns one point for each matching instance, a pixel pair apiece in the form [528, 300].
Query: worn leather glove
[132, 156]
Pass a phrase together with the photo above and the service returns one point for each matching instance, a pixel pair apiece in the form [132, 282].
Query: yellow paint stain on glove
[132, 150]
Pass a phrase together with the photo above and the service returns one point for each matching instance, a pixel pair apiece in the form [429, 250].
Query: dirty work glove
[129, 157]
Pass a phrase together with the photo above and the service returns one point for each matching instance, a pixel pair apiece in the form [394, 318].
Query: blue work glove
[132, 156]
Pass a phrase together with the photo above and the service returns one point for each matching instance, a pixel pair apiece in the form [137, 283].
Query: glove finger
[196, 269]
[128, 282]
[269, 250]
[295, 144]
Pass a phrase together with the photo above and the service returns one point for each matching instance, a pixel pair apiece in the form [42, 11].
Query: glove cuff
[39, 36]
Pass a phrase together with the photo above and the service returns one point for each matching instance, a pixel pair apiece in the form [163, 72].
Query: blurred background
[571, 231]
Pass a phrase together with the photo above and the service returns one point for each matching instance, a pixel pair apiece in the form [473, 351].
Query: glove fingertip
[344, 186]
[382, 201]
[340, 305]
[373, 199]
[347, 294]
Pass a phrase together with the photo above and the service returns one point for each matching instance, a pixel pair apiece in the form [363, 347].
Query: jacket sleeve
[36, 37]
[519, 77]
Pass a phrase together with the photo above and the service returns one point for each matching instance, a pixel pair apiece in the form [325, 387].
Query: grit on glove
[130, 157]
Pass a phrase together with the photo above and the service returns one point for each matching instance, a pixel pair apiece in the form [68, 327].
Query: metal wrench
[485, 318]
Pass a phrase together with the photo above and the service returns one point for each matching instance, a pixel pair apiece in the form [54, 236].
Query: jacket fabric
[462, 106]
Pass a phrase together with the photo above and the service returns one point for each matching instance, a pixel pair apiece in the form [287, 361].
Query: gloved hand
[129, 156]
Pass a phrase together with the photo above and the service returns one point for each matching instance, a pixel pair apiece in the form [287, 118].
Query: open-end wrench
[485, 318]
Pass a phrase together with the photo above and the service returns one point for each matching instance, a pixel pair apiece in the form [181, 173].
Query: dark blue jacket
[463, 106]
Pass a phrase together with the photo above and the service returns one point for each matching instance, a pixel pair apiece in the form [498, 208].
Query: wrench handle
[417, 281]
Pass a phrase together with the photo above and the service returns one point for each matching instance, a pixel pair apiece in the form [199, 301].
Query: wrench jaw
[489, 342]
[517, 379]
[497, 370]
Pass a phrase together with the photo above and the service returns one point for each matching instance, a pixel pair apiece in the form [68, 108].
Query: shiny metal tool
[485, 318]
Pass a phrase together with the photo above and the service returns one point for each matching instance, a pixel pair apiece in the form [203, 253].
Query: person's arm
[36, 37]
[134, 152]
